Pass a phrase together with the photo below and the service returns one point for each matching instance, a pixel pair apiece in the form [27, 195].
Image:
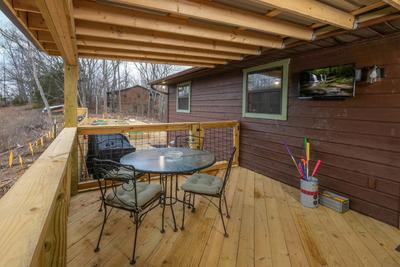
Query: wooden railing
[144, 136]
[33, 214]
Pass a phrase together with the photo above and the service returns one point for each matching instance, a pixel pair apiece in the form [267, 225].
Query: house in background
[133, 100]
[356, 138]
[137, 101]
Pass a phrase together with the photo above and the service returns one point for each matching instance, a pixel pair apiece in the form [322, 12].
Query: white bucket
[309, 196]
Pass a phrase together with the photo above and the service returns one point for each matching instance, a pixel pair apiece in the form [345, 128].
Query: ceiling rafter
[141, 47]
[154, 37]
[222, 14]
[147, 60]
[144, 55]
[25, 5]
[368, 19]
[314, 10]
[89, 11]
[393, 3]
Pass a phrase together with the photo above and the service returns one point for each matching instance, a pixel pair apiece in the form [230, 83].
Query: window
[265, 91]
[183, 97]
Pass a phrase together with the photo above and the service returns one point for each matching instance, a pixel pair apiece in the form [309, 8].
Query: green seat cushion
[122, 173]
[203, 184]
[124, 195]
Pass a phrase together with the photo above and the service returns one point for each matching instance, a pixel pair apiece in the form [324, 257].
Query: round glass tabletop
[167, 160]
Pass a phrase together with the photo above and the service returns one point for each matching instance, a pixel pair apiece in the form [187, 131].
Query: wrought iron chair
[208, 186]
[120, 189]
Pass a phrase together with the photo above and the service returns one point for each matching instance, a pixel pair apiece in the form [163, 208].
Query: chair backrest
[228, 170]
[111, 174]
[187, 140]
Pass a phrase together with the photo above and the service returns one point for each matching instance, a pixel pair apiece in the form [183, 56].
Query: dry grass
[19, 126]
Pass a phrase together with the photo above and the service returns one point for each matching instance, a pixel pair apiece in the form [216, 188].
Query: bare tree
[149, 72]
[38, 85]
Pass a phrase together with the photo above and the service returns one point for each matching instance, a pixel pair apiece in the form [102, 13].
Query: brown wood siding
[358, 140]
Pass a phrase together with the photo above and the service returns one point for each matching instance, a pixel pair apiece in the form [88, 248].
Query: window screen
[264, 91]
[183, 97]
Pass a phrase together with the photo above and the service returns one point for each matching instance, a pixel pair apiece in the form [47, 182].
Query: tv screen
[330, 82]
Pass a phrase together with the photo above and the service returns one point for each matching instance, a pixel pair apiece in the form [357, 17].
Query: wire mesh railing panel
[115, 146]
[94, 143]
[219, 141]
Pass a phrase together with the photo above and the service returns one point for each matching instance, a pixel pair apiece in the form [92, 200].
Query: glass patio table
[162, 161]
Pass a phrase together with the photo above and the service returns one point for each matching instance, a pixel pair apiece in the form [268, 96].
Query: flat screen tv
[329, 82]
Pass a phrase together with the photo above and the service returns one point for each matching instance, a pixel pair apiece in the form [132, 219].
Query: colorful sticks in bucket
[303, 165]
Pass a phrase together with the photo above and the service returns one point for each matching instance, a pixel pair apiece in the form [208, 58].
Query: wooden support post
[70, 95]
[236, 138]
[70, 117]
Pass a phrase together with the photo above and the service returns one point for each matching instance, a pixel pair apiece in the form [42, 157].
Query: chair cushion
[124, 195]
[203, 183]
[121, 174]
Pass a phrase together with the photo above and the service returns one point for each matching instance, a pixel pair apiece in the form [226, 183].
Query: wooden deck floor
[268, 227]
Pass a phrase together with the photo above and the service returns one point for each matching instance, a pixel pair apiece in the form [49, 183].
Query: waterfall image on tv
[335, 81]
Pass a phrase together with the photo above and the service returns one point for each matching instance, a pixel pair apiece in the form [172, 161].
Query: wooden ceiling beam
[36, 22]
[369, 19]
[90, 11]
[147, 60]
[153, 37]
[223, 14]
[356, 12]
[363, 21]
[368, 8]
[44, 37]
[25, 5]
[140, 47]
[273, 13]
[393, 3]
[315, 10]
[377, 14]
[145, 55]
[50, 47]
[59, 20]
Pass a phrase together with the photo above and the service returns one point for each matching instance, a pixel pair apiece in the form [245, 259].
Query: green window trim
[189, 100]
[285, 74]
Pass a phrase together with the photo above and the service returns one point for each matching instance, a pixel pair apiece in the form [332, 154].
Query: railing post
[195, 143]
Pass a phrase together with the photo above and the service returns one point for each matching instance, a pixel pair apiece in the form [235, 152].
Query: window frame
[285, 84]
[189, 100]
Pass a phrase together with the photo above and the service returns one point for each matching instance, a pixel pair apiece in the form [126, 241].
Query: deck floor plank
[262, 249]
[268, 227]
[295, 248]
[213, 248]
[245, 255]
[228, 255]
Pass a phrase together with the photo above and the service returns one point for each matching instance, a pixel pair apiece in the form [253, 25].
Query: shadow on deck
[268, 227]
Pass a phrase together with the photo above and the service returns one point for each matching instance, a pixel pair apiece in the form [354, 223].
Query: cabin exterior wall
[358, 140]
[134, 100]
